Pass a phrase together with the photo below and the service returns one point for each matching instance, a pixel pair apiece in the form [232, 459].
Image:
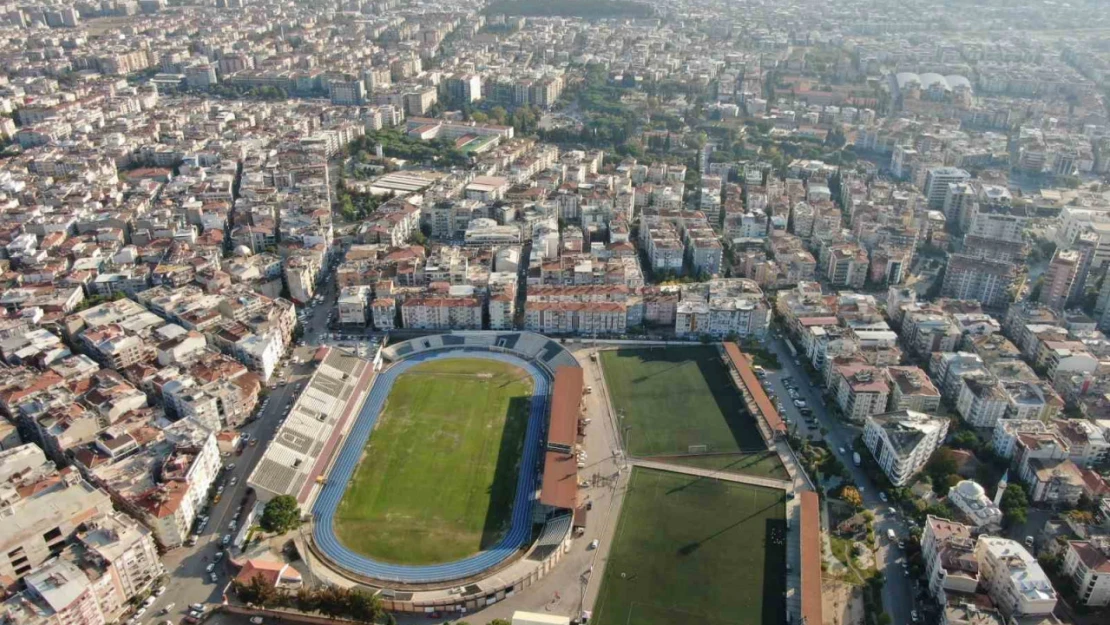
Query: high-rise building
[1085, 246]
[982, 279]
[937, 180]
[1059, 278]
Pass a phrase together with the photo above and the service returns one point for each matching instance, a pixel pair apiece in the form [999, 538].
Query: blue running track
[344, 467]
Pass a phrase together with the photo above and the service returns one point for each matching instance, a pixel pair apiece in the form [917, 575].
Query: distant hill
[586, 9]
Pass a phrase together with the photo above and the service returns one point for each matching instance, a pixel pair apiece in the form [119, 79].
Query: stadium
[383, 513]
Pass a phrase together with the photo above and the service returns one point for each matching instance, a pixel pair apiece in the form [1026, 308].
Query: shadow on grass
[774, 572]
[741, 424]
[503, 489]
[693, 546]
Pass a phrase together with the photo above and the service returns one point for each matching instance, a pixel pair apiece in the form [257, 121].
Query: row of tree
[330, 601]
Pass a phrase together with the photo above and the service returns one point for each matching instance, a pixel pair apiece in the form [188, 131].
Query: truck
[855, 458]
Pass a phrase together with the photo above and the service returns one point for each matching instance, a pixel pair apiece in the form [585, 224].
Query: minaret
[1001, 488]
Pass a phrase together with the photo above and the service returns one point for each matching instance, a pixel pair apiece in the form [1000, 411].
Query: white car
[800, 403]
[210, 568]
[841, 450]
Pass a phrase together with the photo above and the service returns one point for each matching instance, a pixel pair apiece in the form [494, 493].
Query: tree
[257, 591]
[939, 467]
[281, 514]
[851, 496]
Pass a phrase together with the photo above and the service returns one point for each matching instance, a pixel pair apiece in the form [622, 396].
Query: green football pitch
[678, 400]
[438, 476]
[695, 550]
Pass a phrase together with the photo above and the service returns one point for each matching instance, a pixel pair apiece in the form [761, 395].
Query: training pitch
[678, 400]
[439, 473]
[695, 550]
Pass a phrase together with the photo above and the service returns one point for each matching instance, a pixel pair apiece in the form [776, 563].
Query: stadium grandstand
[304, 444]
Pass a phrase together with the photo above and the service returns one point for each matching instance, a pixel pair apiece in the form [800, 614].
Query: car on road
[226, 539]
[140, 612]
[882, 496]
[594, 543]
[256, 620]
[800, 403]
[914, 616]
[901, 544]
[841, 449]
[210, 568]
[159, 591]
[197, 607]
[1029, 541]
[166, 610]
[212, 576]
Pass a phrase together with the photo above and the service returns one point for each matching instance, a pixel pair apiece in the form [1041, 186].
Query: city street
[898, 592]
[187, 566]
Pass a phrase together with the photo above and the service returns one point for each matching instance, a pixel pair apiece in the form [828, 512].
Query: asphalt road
[188, 579]
[898, 592]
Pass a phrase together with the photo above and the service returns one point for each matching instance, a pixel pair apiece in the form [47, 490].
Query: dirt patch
[842, 603]
[865, 559]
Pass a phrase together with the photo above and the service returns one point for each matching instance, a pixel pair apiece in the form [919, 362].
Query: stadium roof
[560, 480]
[751, 384]
[566, 394]
[308, 437]
[811, 557]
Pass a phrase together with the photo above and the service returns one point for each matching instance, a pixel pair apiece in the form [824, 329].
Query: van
[890, 535]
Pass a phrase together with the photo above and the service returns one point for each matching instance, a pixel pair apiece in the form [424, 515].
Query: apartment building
[1059, 278]
[911, 389]
[861, 391]
[903, 441]
[433, 312]
[984, 280]
[948, 552]
[589, 318]
[1087, 563]
[721, 307]
[41, 518]
[354, 305]
[981, 401]
[1012, 577]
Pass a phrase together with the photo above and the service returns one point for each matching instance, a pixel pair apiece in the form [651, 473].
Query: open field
[695, 550]
[675, 398]
[439, 473]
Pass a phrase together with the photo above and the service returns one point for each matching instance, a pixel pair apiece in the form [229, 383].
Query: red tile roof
[811, 558]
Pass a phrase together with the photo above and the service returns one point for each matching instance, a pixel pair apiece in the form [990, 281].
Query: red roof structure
[751, 384]
[560, 466]
[566, 395]
[811, 557]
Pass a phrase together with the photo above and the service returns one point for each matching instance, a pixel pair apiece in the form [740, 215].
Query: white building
[981, 401]
[354, 305]
[260, 352]
[1087, 563]
[1013, 578]
[971, 500]
[903, 441]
